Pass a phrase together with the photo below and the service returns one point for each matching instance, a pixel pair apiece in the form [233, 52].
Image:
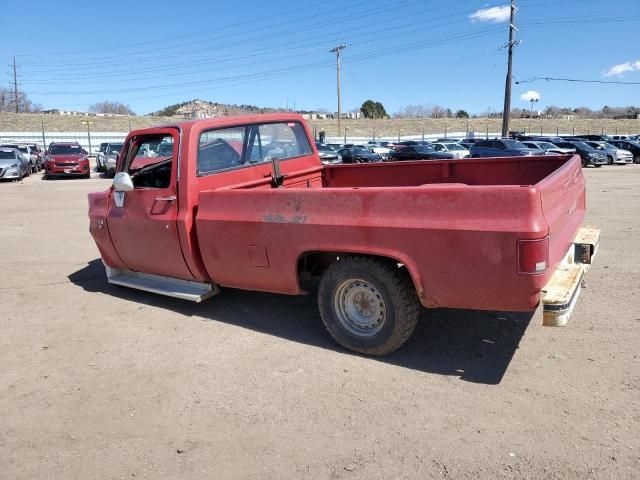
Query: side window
[220, 150]
[438, 147]
[150, 161]
[229, 148]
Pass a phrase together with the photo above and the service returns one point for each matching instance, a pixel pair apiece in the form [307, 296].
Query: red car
[66, 159]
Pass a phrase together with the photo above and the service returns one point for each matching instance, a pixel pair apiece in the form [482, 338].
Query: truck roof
[228, 121]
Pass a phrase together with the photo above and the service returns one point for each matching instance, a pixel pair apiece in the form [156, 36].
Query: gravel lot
[100, 382]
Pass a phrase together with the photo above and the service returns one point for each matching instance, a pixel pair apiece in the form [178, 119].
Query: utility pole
[88, 123]
[15, 85]
[337, 50]
[506, 112]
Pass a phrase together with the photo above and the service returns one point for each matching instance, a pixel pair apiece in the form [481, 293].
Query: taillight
[533, 256]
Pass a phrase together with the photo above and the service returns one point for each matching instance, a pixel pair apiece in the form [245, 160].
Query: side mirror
[122, 182]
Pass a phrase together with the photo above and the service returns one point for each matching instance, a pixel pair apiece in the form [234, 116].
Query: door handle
[170, 198]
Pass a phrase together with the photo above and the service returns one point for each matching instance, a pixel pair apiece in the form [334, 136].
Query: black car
[629, 145]
[418, 152]
[358, 155]
[594, 138]
[589, 155]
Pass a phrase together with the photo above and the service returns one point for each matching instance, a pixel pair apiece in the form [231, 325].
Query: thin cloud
[622, 68]
[492, 15]
[530, 95]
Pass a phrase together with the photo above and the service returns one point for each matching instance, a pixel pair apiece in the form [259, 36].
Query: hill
[203, 108]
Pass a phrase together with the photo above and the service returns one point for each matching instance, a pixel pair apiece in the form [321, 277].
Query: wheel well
[313, 264]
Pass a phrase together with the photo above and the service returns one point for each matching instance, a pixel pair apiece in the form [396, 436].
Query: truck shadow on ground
[476, 346]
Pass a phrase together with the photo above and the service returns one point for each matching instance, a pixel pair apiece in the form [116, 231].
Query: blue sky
[150, 54]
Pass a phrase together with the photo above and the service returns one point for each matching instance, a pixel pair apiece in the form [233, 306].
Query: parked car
[548, 147]
[588, 155]
[39, 154]
[379, 149]
[405, 143]
[613, 153]
[328, 156]
[630, 146]
[13, 164]
[455, 149]
[358, 154]
[101, 164]
[30, 156]
[66, 159]
[382, 240]
[111, 153]
[593, 137]
[497, 147]
[620, 137]
[418, 152]
[469, 142]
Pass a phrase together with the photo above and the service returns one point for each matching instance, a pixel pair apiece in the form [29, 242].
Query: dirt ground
[101, 382]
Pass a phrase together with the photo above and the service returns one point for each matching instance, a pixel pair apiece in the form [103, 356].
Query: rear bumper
[560, 294]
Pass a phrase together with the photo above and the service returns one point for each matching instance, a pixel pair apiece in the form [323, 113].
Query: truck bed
[454, 224]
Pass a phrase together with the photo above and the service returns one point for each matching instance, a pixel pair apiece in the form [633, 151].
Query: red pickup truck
[245, 202]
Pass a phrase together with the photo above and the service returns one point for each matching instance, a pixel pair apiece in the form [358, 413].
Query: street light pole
[337, 50]
[532, 100]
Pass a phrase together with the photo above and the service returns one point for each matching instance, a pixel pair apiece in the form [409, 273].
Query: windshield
[115, 147]
[454, 146]
[583, 146]
[361, 151]
[546, 145]
[512, 144]
[4, 154]
[65, 150]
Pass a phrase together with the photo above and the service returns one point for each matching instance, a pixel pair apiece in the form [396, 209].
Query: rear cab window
[230, 148]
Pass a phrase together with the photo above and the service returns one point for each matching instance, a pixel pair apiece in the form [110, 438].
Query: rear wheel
[368, 305]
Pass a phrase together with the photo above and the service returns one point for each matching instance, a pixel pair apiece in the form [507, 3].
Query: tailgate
[562, 195]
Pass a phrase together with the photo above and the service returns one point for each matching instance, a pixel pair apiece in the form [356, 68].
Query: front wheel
[368, 305]
[610, 160]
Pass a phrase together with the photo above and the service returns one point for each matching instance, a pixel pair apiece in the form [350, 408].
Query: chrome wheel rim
[359, 307]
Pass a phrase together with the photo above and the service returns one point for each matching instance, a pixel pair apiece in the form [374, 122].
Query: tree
[371, 109]
[111, 107]
[462, 114]
[8, 102]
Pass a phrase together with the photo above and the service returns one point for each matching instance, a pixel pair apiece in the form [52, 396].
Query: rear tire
[368, 305]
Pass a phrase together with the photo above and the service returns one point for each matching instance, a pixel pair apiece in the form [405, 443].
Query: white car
[379, 149]
[457, 150]
[614, 154]
[27, 154]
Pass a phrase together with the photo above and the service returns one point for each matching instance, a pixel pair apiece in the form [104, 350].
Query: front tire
[368, 305]
[610, 162]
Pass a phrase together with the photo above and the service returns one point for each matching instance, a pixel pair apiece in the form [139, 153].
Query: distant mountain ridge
[197, 108]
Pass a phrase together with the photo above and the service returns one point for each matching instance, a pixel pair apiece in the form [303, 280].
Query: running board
[171, 287]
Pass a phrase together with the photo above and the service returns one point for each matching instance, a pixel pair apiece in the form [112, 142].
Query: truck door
[142, 222]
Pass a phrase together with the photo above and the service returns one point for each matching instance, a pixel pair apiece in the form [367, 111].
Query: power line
[270, 34]
[217, 61]
[295, 68]
[576, 80]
